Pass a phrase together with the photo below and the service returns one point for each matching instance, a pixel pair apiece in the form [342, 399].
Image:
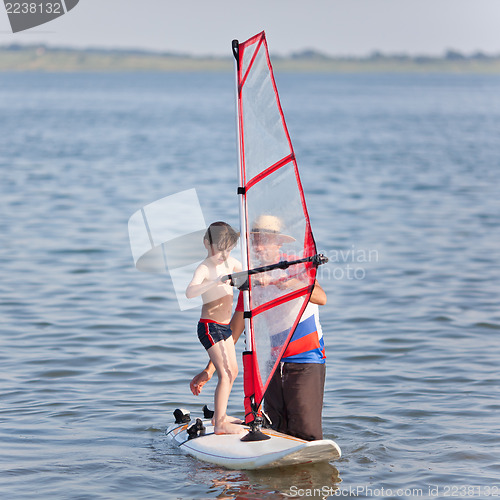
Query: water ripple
[95, 355]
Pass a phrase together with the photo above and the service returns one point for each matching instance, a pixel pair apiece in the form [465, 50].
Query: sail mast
[241, 193]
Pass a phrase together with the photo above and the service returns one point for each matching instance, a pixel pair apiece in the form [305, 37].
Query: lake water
[401, 175]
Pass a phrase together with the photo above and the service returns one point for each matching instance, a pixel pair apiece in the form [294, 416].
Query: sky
[335, 27]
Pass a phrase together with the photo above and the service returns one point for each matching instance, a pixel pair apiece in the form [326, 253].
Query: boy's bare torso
[218, 301]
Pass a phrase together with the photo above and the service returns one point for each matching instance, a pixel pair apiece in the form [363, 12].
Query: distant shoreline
[39, 58]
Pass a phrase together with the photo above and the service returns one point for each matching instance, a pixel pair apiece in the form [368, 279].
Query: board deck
[229, 451]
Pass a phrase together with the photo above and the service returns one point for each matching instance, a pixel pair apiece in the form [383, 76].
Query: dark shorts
[210, 332]
[294, 399]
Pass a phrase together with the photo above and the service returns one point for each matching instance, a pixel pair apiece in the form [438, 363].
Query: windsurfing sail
[274, 222]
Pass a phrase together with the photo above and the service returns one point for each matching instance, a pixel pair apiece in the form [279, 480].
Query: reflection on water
[287, 482]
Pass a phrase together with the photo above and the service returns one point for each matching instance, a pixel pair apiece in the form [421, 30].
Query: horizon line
[306, 52]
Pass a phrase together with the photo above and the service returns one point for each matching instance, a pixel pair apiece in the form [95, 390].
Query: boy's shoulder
[203, 265]
[234, 263]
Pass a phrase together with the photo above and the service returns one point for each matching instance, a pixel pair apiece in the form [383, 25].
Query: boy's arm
[237, 325]
[200, 282]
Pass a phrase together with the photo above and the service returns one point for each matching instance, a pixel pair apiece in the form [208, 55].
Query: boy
[213, 328]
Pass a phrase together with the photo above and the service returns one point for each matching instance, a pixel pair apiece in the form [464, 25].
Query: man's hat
[270, 225]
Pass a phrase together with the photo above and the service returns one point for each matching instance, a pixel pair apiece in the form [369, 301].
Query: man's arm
[318, 295]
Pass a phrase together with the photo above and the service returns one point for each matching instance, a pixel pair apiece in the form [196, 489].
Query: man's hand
[263, 279]
[199, 381]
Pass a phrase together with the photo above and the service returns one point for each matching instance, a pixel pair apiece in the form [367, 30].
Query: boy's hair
[221, 235]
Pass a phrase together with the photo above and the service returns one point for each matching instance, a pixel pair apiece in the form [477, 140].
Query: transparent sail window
[265, 139]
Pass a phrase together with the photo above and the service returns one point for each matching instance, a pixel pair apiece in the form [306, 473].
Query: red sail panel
[275, 222]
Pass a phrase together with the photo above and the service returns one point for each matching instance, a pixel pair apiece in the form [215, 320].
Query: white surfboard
[229, 451]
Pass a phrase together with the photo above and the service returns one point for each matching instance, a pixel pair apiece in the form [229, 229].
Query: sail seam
[269, 170]
[250, 64]
[281, 300]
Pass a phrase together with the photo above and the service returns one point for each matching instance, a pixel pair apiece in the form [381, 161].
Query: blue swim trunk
[210, 332]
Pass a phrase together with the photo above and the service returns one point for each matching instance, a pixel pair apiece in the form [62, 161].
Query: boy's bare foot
[229, 428]
[232, 420]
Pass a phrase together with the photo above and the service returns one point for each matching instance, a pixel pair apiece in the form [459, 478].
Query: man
[294, 398]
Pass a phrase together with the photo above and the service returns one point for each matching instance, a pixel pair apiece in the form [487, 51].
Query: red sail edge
[272, 197]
